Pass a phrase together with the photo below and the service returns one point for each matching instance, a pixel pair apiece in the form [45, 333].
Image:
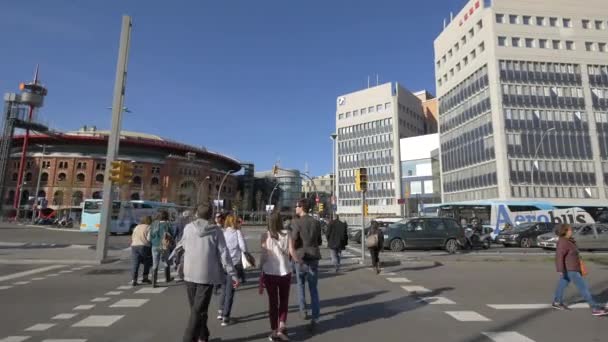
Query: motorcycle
[475, 239]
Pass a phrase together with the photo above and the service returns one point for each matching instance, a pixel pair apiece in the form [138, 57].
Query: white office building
[523, 101]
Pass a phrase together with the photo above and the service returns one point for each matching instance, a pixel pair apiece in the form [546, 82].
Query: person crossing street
[337, 239]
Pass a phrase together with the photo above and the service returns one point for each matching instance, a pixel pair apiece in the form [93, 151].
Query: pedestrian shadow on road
[418, 268]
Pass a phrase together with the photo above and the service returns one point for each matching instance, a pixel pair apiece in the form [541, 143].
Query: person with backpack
[337, 239]
[375, 242]
[161, 242]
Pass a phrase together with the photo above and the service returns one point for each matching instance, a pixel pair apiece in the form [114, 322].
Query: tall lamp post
[38, 182]
[19, 200]
[219, 191]
[334, 189]
[272, 193]
[540, 143]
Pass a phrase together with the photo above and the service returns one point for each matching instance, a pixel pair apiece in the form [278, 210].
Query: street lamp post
[19, 200]
[38, 183]
[272, 193]
[535, 156]
[219, 191]
[334, 189]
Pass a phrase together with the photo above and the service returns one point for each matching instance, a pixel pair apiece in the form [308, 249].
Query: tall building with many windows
[523, 101]
[369, 125]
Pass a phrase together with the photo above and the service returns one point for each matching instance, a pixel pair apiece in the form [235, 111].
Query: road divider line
[30, 272]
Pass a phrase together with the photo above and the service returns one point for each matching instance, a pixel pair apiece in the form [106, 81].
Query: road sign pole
[362, 227]
[114, 138]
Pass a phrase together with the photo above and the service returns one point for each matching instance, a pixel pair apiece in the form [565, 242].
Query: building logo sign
[341, 100]
[470, 12]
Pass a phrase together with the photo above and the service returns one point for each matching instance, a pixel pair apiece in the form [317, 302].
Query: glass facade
[547, 130]
[367, 145]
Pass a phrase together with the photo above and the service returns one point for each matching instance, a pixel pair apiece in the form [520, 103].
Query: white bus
[125, 214]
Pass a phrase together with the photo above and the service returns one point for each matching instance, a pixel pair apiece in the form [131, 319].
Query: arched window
[135, 196]
[28, 177]
[11, 197]
[99, 178]
[62, 177]
[155, 181]
[80, 177]
[44, 178]
[77, 197]
[41, 194]
[137, 180]
[15, 176]
[25, 197]
[58, 198]
[97, 195]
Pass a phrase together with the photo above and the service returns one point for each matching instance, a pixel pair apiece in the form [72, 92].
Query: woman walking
[375, 243]
[569, 264]
[140, 250]
[276, 275]
[236, 247]
[160, 239]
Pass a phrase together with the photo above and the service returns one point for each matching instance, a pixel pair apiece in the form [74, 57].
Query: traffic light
[365, 210]
[127, 172]
[361, 179]
[320, 207]
[121, 172]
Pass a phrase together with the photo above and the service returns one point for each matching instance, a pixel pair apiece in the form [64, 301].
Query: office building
[418, 179]
[370, 124]
[289, 187]
[523, 101]
[321, 184]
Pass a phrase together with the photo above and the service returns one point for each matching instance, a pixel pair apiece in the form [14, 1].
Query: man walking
[206, 259]
[337, 239]
[304, 248]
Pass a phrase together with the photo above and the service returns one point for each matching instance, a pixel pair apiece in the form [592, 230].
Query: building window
[515, 42]
[456, 47]
[137, 180]
[586, 24]
[502, 41]
[58, 198]
[482, 47]
[557, 45]
[100, 166]
[44, 178]
[14, 177]
[589, 46]
[80, 177]
[601, 47]
[529, 42]
[569, 45]
[387, 105]
[527, 19]
[439, 81]
[463, 40]
[542, 43]
[340, 116]
[599, 25]
[471, 33]
[378, 108]
[77, 198]
[62, 177]
[99, 178]
[451, 72]
[500, 18]
[473, 54]
[450, 53]
[458, 67]
[513, 19]
[567, 22]
[540, 21]
[465, 61]
[28, 177]
[363, 111]
[155, 181]
[553, 22]
[479, 25]
[438, 64]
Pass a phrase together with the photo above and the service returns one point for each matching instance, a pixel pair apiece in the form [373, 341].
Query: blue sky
[256, 80]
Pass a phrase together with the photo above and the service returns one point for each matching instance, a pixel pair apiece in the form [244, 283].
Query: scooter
[475, 240]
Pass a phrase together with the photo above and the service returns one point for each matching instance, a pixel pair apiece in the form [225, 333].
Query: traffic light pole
[114, 138]
[362, 227]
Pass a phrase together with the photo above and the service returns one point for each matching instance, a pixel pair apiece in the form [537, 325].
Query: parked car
[424, 232]
[354, 234]
[587, 236]
[525, 235]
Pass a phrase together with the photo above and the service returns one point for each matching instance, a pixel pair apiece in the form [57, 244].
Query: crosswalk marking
[52, 275]
[66, 340]
[415, 289]
[100, 299]
[398, 280]
[30, 272]
[113, 293]
[5, 287]
[467, 316]
[40, 327]
[15, 338]
[125, 287]
[84, 307]
[65, 316]
[66, 271]
[38, 278]
[533, 306]
[507, 336]
[21, 283]
[129, 303]
[95, 321]
[389, 274]
[149, 290]
[437, 300]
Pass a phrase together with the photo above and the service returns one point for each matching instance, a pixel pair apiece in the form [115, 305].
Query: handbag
[371, 241]
[168, 243]
[247, 260]
[584, 271]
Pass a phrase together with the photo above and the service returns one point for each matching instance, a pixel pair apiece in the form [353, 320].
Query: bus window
[92, 207]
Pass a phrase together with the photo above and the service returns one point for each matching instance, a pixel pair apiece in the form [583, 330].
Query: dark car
[525, 235]
[424, 232]
[354, 234]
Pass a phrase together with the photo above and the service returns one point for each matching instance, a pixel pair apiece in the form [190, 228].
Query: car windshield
[397, 224]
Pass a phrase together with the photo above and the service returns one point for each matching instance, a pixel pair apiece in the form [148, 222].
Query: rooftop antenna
[451, 16]
[368, 81]
[377, 79]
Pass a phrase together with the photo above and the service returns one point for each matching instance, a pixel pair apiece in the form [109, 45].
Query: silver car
[587, 236]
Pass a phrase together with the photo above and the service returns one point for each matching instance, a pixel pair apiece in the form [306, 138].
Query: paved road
[417, 301]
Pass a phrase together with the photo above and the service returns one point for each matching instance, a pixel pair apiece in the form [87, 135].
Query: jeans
[227, 297]
[140, 255]
[336, 255]
[580, 283]
[308, 271]
[375, 254]
[199, 296]
[277, 288]
[159, 255]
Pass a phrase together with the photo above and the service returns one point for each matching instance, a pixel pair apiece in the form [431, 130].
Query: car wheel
[487, 243]
[525, 243]
[451, 246]
[397, 245]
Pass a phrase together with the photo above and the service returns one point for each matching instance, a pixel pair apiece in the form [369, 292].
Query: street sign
[401, 201]
[269, 207]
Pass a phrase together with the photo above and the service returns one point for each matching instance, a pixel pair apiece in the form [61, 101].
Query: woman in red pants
[276, 275]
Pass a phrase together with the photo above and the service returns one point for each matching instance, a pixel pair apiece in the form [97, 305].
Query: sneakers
[220, 315]
[225, 321]
[559, 306]
[146, 281]
[280, 336]
[134, 283]
[304, 315]
[313, 325]
[272, 337]
[599, 312]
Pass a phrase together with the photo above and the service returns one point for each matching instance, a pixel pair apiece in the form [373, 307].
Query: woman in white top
[236, 247]
[276, 275]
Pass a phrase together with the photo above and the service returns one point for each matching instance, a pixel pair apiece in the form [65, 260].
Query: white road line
[40, 327]
[84, 307]
[580, 306]
[21, 282]
[533, 306]
[52, 275]
[398, 280]
[30, 272]
[65, 271]
[113, 293]
[65, 316]
[507, 336]
[39, 278]
[129, 303]
[415, 289]
[4, 287]
[98, 321]
[389, 274]
[15, 339]
[437, 300]
[100, 299]
[149, 290]
[125, 287]
[66, 340]
[467, 316]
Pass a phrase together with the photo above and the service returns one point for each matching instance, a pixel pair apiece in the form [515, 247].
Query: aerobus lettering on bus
[504, 216]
